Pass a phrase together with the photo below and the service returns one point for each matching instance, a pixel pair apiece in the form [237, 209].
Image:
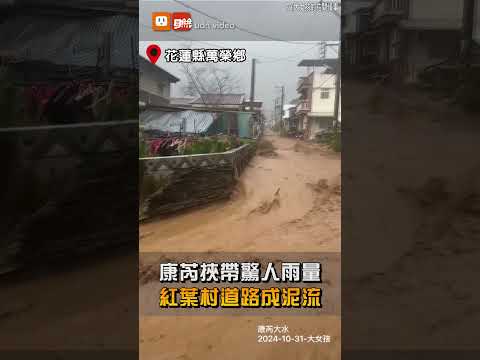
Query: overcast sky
[276, 66]
[254, 20]
[276, 60]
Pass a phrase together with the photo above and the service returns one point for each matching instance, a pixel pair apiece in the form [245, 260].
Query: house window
[324, 93]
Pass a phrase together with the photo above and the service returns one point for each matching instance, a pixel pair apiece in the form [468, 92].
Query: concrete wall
[323, 107]
[155, 87]
[436, 10]
[181, 182]
[317, 124]
[152, 82]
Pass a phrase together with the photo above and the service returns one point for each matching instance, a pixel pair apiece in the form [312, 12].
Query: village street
[303, 216]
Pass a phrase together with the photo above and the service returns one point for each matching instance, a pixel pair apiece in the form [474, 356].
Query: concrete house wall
[154, 84]
[322, 109]
[323, 83]
[436, 10]
[151, 83]
[317, 124]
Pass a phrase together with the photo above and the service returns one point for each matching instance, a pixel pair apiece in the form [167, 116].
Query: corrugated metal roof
[195, 122]
[180, 100]
[70, 41]
[220, 99]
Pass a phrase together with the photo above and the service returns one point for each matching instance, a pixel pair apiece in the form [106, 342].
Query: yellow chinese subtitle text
[247, 297]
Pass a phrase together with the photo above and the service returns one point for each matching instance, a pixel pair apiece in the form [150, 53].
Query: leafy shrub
[143, 149]
[209, 145]
[335, 142]
[265, 148]
[332, 138]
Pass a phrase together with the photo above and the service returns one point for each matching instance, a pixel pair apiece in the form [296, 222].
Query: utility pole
[283, 103]
[252, 85]
[337, 95]
[338, 82]
[252, 93]
[275, 111]
[322, 49]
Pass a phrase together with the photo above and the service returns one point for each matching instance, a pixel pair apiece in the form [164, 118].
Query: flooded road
[286, 203]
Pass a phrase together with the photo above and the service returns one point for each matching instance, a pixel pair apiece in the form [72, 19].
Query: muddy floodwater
[286, 201]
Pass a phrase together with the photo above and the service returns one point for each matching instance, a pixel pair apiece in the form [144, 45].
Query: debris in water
[320, 186]
[266, 148]
[266, 206]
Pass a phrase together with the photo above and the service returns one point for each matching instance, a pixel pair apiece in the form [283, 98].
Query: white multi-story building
[316, 103]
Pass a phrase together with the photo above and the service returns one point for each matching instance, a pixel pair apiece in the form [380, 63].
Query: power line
[240, 28]
[323, 83]
[259, 56]
[289, 57]
[194, 83]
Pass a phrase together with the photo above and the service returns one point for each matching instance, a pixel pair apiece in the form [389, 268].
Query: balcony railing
[304, 81]
[303, 106]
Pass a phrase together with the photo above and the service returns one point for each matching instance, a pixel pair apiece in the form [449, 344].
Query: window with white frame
[324, 93]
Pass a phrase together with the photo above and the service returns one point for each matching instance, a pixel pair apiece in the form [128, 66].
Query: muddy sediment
[285, 201]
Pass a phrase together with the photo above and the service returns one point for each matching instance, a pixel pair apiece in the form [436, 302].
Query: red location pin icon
[153, 53]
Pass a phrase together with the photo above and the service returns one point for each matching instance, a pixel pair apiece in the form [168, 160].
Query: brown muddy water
[278, 206]
[288, 202]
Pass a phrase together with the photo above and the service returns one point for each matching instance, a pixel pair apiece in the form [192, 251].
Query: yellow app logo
[161, 21]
